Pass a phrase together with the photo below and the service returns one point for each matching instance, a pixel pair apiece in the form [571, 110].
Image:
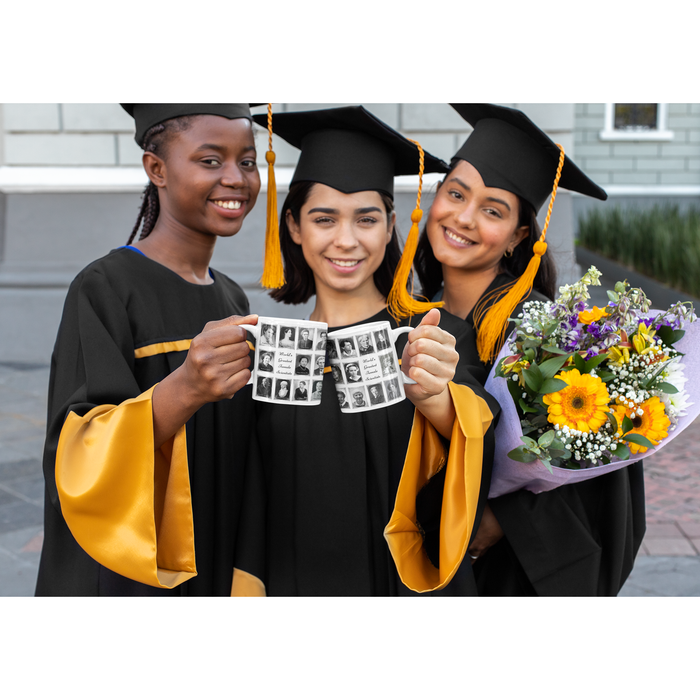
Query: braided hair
[155, 141]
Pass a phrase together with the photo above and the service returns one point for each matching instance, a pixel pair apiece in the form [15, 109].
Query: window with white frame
[636, 122]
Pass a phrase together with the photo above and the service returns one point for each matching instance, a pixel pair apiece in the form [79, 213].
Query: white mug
[365, 366]
[289, 358]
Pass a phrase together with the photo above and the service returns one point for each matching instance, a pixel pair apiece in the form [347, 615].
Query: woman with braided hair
[478, 253]
[148, 416]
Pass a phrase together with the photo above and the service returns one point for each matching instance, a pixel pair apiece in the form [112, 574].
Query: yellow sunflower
[652, 424]
[591, 315]
[582, 405]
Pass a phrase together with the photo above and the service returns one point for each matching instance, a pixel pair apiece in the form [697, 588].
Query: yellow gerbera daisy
[591, 315]
[582, 405]
[652, 424]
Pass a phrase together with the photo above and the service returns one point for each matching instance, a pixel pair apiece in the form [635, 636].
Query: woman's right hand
[487, 535]
[217, 364]
[216, 367]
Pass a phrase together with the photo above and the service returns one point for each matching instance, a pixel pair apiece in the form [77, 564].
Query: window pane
[637, 117]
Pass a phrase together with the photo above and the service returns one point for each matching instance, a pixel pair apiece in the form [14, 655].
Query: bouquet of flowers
[587, 391]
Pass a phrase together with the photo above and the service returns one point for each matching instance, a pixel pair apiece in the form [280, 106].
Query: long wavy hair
[300, 285]
[429, 269]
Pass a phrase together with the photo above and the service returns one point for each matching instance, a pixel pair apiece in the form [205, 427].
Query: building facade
[71, 180]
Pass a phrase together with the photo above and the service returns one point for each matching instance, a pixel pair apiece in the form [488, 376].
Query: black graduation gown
[331, 481]
[579, 539]
[118, 304]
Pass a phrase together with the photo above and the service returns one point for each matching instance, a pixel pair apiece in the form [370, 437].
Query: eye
[323, 220]
[211, 161]
[368, 220]
[494, 212]
[249, 163]
[456, 194]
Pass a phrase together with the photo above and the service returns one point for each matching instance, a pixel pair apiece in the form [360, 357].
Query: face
[208, 179]
[471, 226]
[303, 362]
[341, 397]
[320, 362]
[343, 238]
[353, 372]
[305, 335]
[266, 359]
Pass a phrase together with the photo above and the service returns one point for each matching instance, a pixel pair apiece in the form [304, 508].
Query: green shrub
[659, 242]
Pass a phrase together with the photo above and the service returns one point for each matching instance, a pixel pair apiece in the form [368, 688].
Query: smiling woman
[332, 477]
[144, 462]
[483, 253]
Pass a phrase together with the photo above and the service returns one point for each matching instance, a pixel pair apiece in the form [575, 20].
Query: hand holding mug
[429, 358]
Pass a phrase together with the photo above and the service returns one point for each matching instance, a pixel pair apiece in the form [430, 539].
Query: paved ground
[668, 563]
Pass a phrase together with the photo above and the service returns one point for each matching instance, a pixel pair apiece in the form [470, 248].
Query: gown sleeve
[127, 505]
[455, 477]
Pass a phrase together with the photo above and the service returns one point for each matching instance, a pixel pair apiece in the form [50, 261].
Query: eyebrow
[325, 210]
[469, 189]
[217, 147]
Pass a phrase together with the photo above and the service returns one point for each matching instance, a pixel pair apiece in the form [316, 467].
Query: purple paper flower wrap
[509, 475]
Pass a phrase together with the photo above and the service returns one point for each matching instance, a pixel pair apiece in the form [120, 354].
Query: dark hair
[156, 141]
[429, 269]
[300, 285]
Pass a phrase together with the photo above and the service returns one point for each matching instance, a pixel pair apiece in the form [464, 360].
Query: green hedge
[660, 242]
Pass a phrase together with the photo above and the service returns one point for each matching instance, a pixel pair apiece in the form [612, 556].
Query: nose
[466, 216]
[345, 236]
[233, 176]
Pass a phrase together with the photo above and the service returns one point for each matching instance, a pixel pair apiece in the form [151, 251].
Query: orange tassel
[402, 304]
[491, 333]
[273, 266]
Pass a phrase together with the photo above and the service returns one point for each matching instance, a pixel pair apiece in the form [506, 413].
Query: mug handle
[254, 330]
[395, 333]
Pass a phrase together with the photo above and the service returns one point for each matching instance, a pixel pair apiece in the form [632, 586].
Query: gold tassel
[402, 304]
[491, 333]
[273, 266]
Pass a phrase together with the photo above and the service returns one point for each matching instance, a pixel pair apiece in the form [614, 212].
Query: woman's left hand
[429, 358]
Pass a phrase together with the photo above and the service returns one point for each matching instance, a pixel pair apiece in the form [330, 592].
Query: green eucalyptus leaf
[666, 388]
[549, 386]
[550, 367]
[638, 440]
[613, 421]
[520, 454]
[621, 451]
[546, 439]
[668, 335]
[613, 296]
[595, 361]
[533, 377]
[555, 350]
[627, 424]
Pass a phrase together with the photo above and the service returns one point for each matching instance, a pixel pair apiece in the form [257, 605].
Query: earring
[508, 253]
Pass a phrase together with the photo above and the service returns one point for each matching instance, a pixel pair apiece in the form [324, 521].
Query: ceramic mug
[289, 355]
[365, 366]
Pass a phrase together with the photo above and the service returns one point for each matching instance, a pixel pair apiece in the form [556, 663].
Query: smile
[462, 240]
[344, 263]
[230, 204]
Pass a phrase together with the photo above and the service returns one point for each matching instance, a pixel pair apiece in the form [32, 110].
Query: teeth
[229, 204]
[344, 263]
[459, 239]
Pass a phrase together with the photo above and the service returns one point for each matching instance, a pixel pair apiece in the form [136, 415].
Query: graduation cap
[351, 150]
[148, 115]
[512, 153]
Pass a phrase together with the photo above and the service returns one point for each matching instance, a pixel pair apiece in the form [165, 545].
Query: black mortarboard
[349, 149]
[148, 115]
[514, 154]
